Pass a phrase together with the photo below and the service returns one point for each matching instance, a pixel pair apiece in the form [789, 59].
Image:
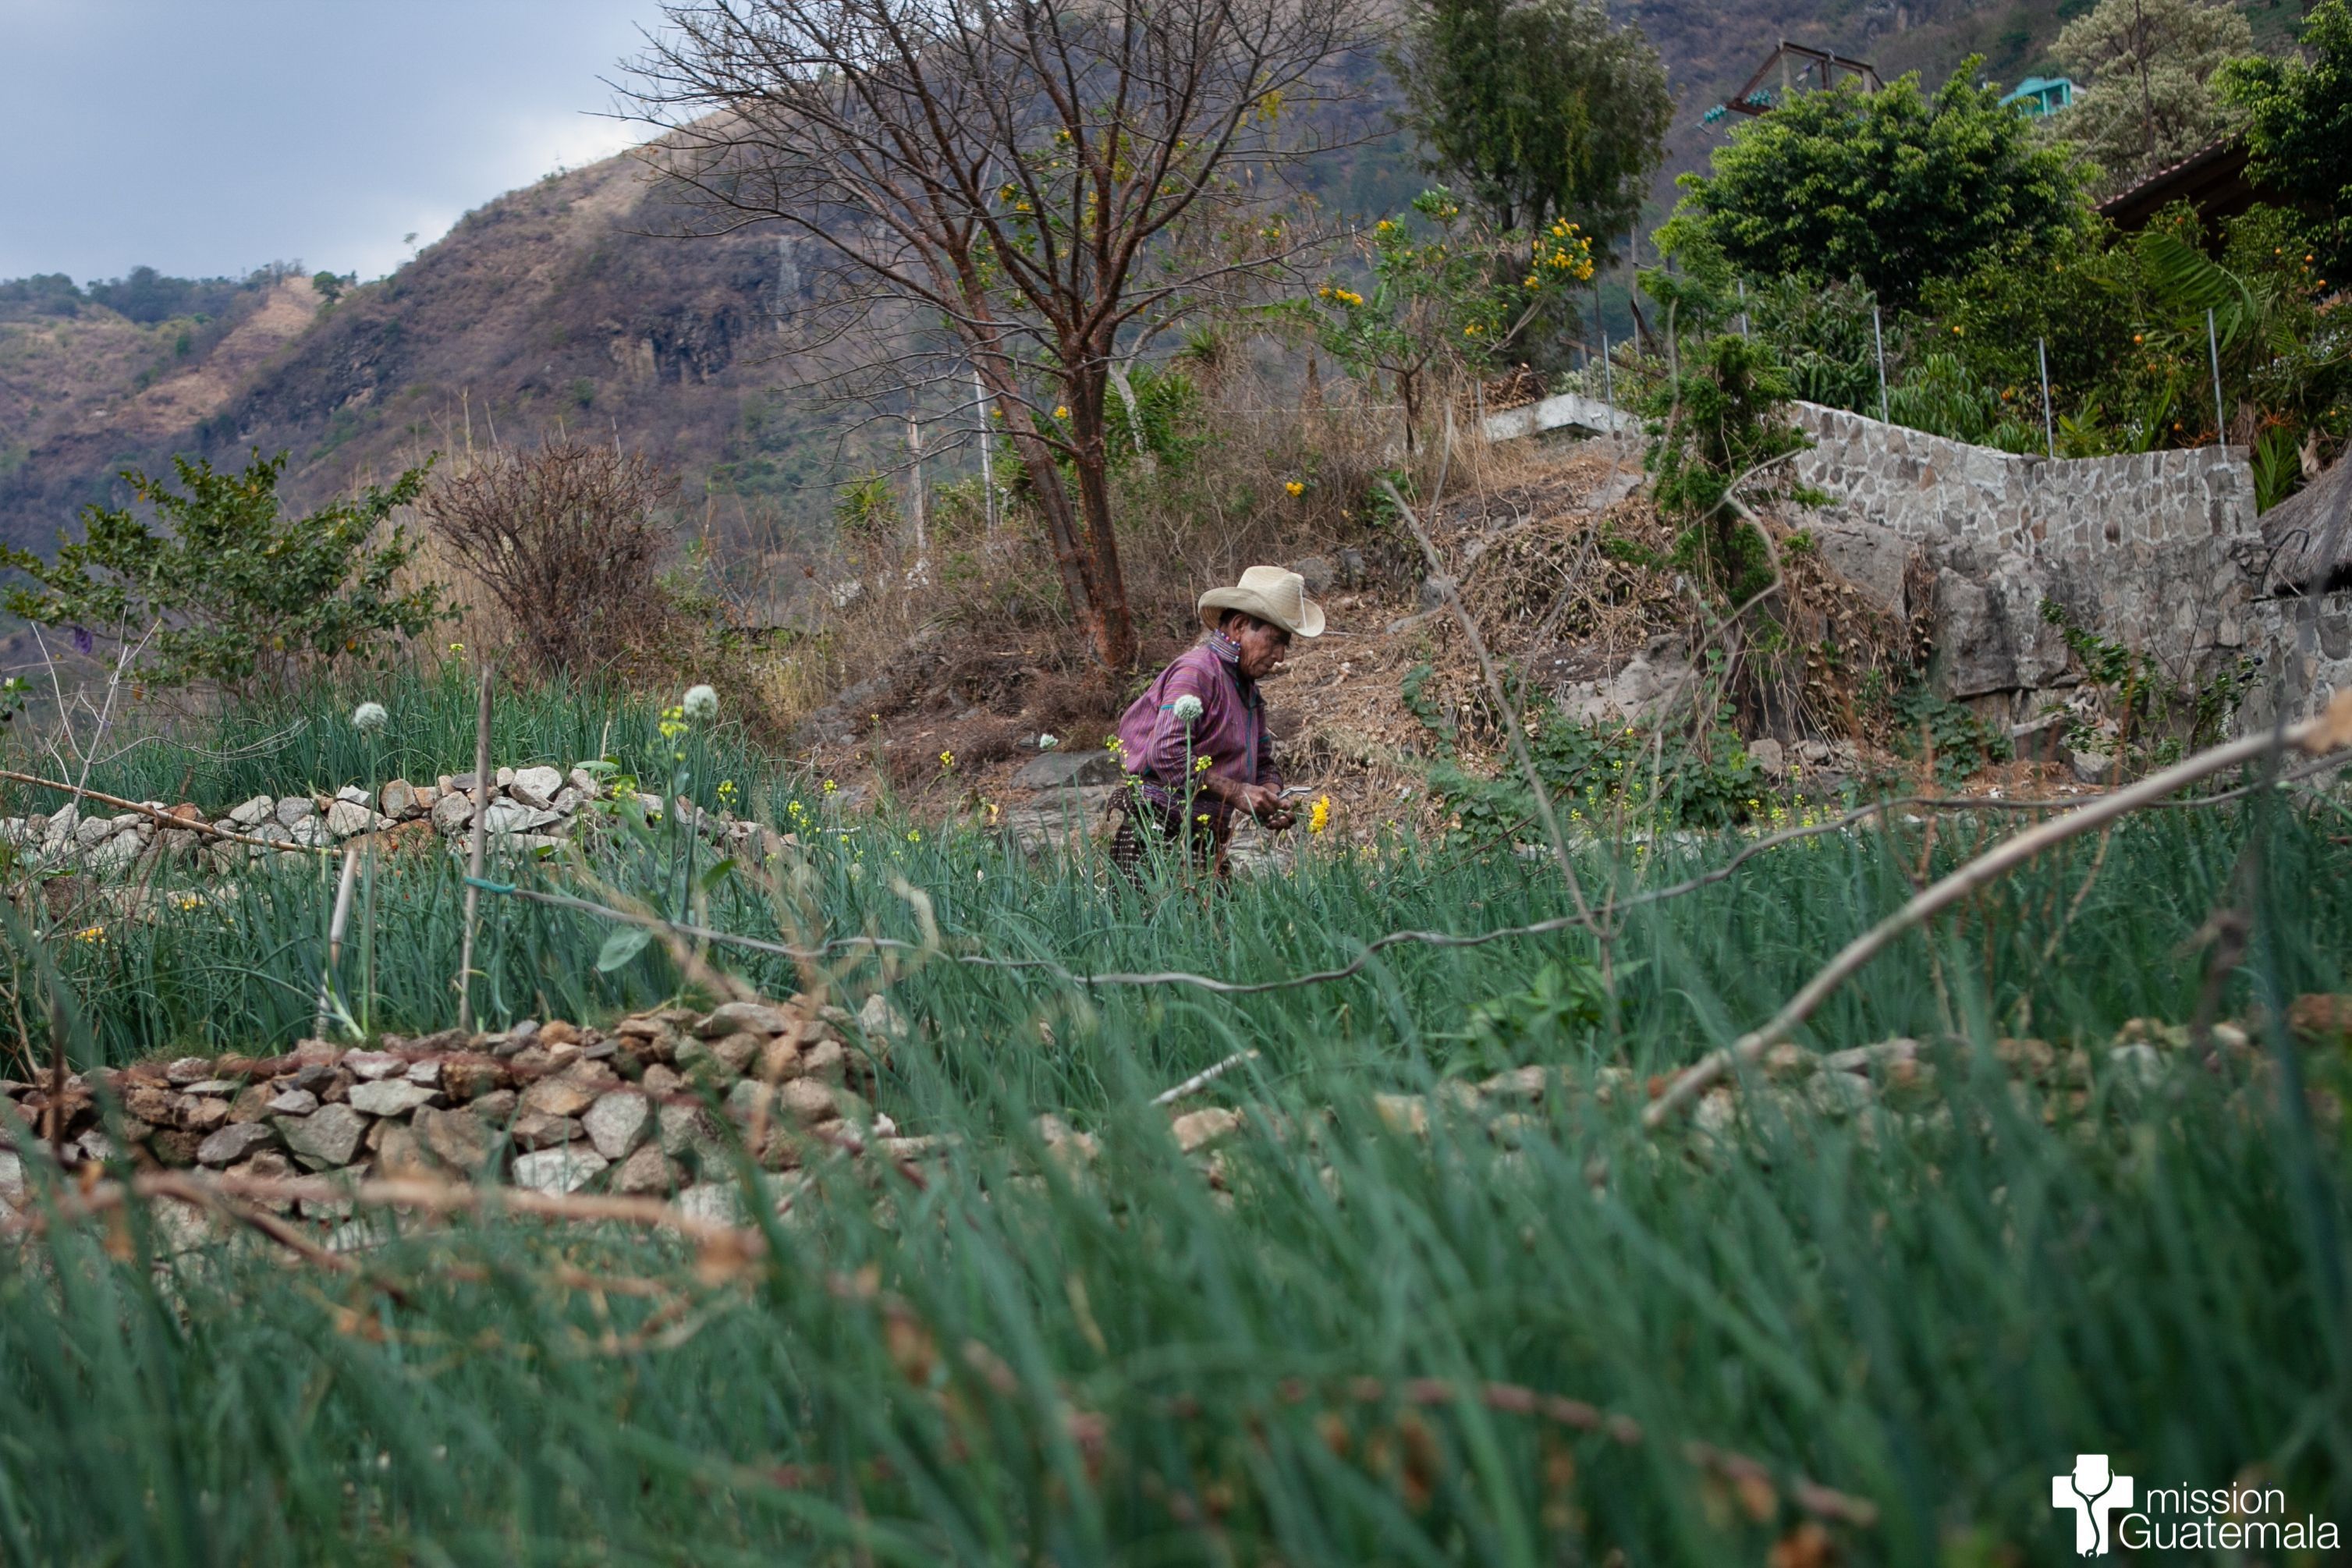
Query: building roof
[2213, 180]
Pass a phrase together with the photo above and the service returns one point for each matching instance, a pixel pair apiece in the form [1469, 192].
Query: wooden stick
[335, 929]
[1202, 1080]
[2325, 733]
[474, 855]
[183, 823]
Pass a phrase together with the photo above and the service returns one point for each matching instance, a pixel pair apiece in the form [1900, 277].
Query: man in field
[1195, 744]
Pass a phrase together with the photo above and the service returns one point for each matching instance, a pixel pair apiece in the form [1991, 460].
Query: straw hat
[1273, 595]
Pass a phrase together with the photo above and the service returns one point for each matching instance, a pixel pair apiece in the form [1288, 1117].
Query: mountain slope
[557, 306]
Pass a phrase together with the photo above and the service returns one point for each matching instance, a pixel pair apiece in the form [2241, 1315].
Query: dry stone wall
[556, 1109]
[531, 807]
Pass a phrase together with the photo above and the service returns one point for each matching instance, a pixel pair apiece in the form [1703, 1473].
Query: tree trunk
[1113, 625]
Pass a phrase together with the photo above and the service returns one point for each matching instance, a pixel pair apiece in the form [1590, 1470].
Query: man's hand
[1259, 800]
[1280, 821]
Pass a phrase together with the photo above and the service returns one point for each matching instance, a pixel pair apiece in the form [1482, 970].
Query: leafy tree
[2151, 99]
[1717, 420]
[231, 589]
[1891, 188]
[1540, 108]
[2299, 123]
[1447, 292]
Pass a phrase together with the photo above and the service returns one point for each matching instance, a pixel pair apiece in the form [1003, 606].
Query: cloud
[231, 135]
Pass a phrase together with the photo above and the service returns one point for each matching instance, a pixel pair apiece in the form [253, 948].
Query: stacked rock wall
[557, 1108]
[530, 808]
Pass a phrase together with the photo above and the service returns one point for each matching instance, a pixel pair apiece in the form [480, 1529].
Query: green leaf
[708, 881]
[621, 946]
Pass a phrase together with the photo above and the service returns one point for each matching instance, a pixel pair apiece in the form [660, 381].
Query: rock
[295, 1102]
[1838, 1094]
[253, 812]
[185, 1070]
[312, 831]
[2320, 1018]
[391, 1097]
[234, 1142]
[2137, 1064]
[736, 1017]
[535, 787]
[581, 779]
[399, 1152]
[512, 817]
[618, 1122]
[2091, 767]
[503, 777]
[174, 1146]
[294, 809]
[427, 1073]
[398, 799]
[471, 1076]
[1062, 770]
[687, 1127]
[202, 1113]
[809, 1101]
[12, 1179]
[1769, 759]
[452, 814]
[538, 1129]
[455, 1138]
[348, 819]
[1407, 1113]
[1319, 572]
[496, 1106]
[1197, 1130]
[648, 1173]
[714, 1202]
[328, 1136]
[735, 1052]
[557, 1170]
[879, 1020]
[557, 1032]
[1518, 1083]
[370, 1066]
[558, 1097]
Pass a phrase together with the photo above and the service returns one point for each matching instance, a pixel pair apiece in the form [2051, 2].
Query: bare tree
[1051, 180]
[564, 538]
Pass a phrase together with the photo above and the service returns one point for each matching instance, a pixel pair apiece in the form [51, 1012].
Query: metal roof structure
[1802, 69]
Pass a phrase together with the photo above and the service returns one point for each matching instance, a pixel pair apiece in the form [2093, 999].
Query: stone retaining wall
[530, 808]
[1927, 488]
[557, 1108]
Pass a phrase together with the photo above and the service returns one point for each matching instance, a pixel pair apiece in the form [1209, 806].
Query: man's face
[1263, 646]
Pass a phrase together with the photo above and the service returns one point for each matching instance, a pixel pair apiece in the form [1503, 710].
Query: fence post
[987, 469]
[2049, 419]
[1878, 340]
[336, 925]
[1743, 306]
[2213, 349]
[1608, 385]
[474, 854]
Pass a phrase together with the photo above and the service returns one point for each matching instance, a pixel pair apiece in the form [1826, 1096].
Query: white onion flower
[1187, 708]
[1048, 743]
[370, 717]
[701, 704]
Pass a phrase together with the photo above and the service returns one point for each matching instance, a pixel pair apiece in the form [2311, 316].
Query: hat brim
[1217, 601]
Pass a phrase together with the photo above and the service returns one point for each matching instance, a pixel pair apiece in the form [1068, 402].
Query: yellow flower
[1294, 488]
[1201, 765]
[947, 759]
[1532, 281]
[914, 836]
[457, 648]
[1061, 411]
[1318, 816]
[1472, 330]
[90, 933]
[830, 786]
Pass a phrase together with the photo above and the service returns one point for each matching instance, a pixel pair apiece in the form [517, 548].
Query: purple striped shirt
[1231, 732]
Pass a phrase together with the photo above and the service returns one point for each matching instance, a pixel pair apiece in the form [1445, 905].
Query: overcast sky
[208, 137]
